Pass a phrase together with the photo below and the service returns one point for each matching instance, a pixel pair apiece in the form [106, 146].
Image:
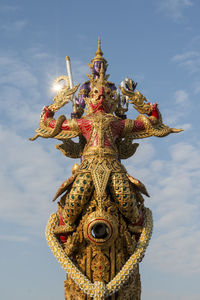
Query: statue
[95, 67]
[102, 228]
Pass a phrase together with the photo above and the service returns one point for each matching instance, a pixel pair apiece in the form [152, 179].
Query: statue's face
[97, 67]
[101, 98]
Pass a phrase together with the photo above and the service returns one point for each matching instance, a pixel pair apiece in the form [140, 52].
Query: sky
[154, 42]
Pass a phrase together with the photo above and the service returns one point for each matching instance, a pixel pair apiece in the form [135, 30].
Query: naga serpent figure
[101, 229]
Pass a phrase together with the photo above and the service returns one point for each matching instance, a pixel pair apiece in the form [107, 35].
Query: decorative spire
[99, 55]
[99, 52]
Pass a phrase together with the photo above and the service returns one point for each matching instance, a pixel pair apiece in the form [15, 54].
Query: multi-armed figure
[101, 221]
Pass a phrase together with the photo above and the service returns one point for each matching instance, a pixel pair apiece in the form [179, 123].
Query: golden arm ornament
[153, 126]
[60, 100]
[63, 98]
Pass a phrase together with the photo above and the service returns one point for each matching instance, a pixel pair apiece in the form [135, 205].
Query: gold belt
[100, 152]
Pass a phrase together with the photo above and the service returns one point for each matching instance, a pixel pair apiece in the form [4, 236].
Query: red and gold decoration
[102, 228]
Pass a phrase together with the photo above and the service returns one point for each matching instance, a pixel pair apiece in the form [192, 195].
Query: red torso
[86, 127]
[91, 131]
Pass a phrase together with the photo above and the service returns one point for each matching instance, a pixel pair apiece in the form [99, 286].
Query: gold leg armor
[120, 190]
[79, 195]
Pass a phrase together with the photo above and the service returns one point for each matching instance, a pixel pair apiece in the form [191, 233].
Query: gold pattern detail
[99, 55]
[99, 290]
[100, 267]
[63, 97]
[138, 100]
[100, 176]
[96, 84]
[104, 218]
[102, 228]
[46, 132]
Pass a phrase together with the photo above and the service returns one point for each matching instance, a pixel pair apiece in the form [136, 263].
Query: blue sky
[157, 43]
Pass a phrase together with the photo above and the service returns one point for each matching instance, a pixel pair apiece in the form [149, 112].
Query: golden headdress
[99, 56]
[96, 84]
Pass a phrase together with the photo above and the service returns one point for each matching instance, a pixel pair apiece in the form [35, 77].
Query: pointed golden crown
[99, 56]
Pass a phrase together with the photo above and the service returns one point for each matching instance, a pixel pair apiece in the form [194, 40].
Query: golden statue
[102, 228]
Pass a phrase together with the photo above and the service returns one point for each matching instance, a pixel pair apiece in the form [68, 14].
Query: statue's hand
[154, 111]
[43, 111]
[139, 101]
[46, 112]
[80, 101]
[130, 84]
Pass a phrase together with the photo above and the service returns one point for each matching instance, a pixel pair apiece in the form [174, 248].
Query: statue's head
[97, 67]
[98, 61]
[101, 97]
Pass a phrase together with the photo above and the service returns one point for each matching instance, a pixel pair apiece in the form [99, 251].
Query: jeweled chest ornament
[102, 228]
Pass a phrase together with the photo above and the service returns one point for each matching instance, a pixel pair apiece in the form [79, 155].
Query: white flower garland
[99, 290]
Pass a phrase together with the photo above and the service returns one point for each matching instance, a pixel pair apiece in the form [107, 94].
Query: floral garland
[99, 290]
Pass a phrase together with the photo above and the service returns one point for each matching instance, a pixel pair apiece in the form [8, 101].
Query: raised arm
[48, 121]
[149, 122]
[146, 125]
[56, 128]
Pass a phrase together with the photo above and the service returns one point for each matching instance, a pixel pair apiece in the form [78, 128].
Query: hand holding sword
[71, 84]
[65, 93]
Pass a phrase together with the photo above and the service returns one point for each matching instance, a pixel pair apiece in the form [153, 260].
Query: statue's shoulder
[85, 88]
[112, 85]
[110, 82]
[85, 85]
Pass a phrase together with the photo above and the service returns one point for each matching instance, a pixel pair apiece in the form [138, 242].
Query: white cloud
[173, 116]
[30, 176]
[30, 172]
[185, 126]
[8, 8]
[136, 165]
[181, 97]
[176, 252]
[22, 85]
[174, 8]
[175, 246]
[180, 110]
[80, 69]
[185, 56]
[190, 60]
[174, 186]
[16, 72]
[19, 93]
[13, 238]
[14, 26]
[197, 87]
